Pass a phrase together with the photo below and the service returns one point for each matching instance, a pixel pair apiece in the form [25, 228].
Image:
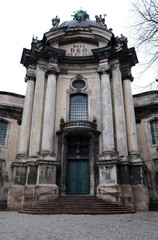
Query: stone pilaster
[137, 190]
[37, 117]
[133, 149]
[49, 110]
[63, 158]
[108, 189]
[119, 114]
[108, 148]
[92, 143]
[27, 112]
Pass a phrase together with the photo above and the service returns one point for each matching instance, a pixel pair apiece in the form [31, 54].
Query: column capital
[115, 64]
[126, 72]
[42, 65]
[30, 74]
[52, 70]
[105, 69]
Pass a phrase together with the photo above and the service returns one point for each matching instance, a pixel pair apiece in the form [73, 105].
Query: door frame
[63, 156]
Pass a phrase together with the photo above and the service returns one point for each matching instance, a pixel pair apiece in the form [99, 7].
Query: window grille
[154, 131]
[78, 107]
[3, 132]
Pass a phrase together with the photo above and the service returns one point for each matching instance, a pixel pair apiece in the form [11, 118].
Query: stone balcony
[78, 124]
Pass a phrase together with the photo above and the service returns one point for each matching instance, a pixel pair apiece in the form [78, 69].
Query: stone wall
[10, 111]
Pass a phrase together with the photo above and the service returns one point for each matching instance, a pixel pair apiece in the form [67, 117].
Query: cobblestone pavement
[139, 226]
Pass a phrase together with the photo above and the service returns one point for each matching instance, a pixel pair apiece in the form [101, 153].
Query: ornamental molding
[126, 72]
[31, 74]
[52, 70]
[103, 69]
[115, 65]
[42, 65]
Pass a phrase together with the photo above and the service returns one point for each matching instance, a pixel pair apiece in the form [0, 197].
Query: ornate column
[27, 112]
[37, 116]
[137, 173]
[108, 188]
[49, 110]
[106, 110]
[119, 114]
[129, 111]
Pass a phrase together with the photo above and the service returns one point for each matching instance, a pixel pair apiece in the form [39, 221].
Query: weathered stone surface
[15, 198]
[140, 198]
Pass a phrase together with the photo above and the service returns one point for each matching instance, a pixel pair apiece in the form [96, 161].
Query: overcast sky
[21, 19]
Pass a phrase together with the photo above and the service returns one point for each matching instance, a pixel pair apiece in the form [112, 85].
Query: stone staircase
[76, 205]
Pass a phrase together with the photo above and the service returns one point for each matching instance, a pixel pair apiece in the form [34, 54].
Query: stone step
[76, 205]
[76, 212]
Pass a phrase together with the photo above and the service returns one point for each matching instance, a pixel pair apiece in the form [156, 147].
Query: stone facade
[78, 134]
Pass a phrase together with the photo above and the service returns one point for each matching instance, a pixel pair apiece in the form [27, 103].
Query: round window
[78, 84]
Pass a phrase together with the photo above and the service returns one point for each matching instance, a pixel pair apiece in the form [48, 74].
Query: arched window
[3, 132]
[154, 131]
[78, 107]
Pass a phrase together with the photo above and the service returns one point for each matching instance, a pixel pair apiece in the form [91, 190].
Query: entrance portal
[78, 177]
[78, 152]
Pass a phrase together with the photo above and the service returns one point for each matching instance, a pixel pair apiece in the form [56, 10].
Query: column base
[108, 156]
[47, 156]
[135, 159]
[20, 157]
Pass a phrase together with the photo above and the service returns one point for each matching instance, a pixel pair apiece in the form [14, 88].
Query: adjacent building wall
[146, 109]
[11, 106]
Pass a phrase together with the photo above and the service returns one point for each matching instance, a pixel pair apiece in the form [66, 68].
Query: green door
[78, 177]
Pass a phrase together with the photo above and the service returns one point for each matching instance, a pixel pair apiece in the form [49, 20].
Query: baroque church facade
[79, 130]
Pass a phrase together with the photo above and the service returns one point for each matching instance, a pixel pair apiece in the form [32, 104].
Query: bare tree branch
[146, 27]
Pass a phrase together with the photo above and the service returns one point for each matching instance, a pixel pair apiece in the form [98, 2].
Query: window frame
[4, 144]
[154, 134]
[78, 117]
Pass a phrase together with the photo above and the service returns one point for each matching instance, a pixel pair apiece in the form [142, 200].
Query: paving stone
[15, 226]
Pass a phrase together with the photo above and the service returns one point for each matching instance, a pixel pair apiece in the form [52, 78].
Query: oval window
[78, 84]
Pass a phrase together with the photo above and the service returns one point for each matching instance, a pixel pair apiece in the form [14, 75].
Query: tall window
[3, 132]
[154, 131]
[78, 107]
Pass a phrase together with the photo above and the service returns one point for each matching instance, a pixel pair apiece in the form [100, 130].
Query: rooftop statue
[80, 15]
[55, 22]
[100, 21]
[121, 42]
